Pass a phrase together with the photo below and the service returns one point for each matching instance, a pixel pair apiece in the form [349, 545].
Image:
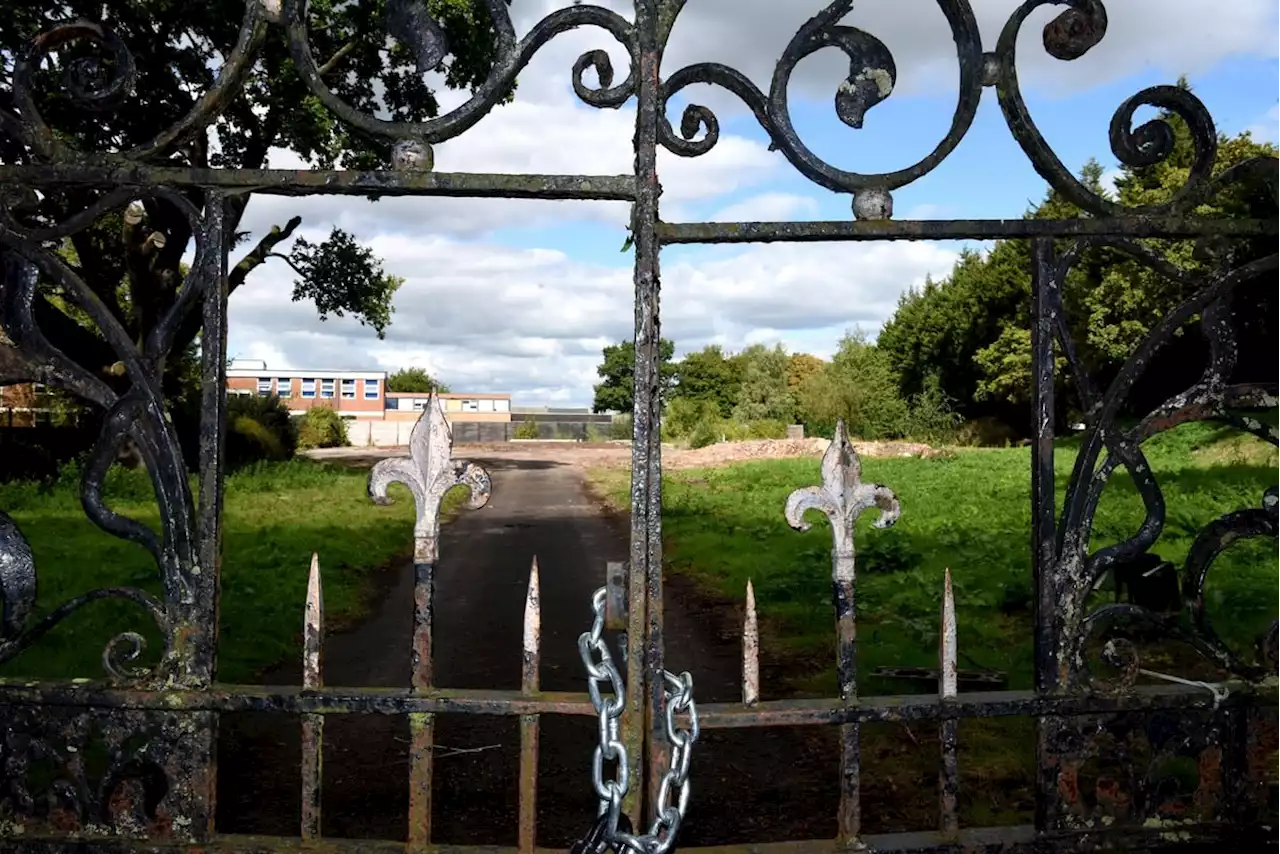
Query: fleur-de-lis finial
[843, 497]
[429, 473]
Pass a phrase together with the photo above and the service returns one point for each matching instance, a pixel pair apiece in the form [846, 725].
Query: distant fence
[551, 426]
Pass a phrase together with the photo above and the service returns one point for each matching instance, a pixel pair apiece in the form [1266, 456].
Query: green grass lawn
[276, 515]
[970, 512]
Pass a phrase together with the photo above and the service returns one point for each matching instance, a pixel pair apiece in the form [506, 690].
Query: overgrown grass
[969, 512]
[276, 515]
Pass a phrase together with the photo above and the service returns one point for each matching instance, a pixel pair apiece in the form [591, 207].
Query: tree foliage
[709, 375]
[764, 394]
[415, 380]
[132, 261]
[969, 334]
[616, 390]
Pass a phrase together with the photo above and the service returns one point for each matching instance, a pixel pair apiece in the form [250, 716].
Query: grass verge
[275, 516]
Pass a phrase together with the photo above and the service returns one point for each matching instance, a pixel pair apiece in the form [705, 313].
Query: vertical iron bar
[633, 718]
[750, 650]
[849, 818]
[212, 273]
[421, 724]
[948, 775]
[1043, 528]
[312, 725]
[646, 471]
[529, 685]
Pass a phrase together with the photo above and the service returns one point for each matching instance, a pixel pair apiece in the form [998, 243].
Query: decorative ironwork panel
[127, 760]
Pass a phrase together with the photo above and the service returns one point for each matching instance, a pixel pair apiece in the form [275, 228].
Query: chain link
[673, 795]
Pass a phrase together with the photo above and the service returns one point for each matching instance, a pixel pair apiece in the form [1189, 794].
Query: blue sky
[521, 296]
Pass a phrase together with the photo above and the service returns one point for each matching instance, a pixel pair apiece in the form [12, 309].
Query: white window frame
[351, 395]
[371, 391]
[284, 387]
[470, 406]
[308, 387]
[264, 386]
[327, 389]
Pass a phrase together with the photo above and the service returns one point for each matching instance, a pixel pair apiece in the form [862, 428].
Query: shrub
[258, 428]
[621, 427]
[322, 427]
[527, 429]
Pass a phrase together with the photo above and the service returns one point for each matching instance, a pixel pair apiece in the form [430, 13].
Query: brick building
[357, 394]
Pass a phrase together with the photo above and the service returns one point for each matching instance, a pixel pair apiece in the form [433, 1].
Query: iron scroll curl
[99, 85]
[1107, 446]
[1069, 36]
[425, 38]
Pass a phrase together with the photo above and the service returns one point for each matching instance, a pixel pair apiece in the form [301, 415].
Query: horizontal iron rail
[1002, 840]
[307, 182]
[817, 712]
[673, 233]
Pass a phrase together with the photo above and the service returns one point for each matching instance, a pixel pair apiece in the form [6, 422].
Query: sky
[521, 296]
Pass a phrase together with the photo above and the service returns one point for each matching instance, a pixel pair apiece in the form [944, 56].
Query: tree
[616, 390]
[970, 333]
[764, 394]
[857, 386]
[131, 261]
[709, 376]
[801, 367]
[415, 380]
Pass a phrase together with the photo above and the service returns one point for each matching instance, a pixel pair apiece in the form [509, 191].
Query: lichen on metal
[842, 498]
[429, 473]
[175, 702]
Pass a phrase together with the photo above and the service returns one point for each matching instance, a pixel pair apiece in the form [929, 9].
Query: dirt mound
[726, 453]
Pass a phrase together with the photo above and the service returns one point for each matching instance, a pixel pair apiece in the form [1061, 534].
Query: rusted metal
[429, 472]
[616, 592]
[1081, 716]
[530, 666]
[948, 773]
[646, 459]
[310, 182]
[312, 724]
[843, 497]
[677, 233]
[750, 650]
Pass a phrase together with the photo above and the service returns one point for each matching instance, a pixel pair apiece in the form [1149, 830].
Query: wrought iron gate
[157, 791]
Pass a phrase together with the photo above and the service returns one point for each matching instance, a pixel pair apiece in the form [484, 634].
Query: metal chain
[673, 795]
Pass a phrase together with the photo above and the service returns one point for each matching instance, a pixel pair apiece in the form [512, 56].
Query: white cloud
[533, 321]
[1168, 35]
[485, 316]
[768, 207]
[1265, 129]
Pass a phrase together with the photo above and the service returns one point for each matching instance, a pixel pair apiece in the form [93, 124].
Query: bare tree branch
[258, 255]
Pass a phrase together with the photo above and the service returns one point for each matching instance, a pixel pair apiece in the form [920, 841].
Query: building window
[393, 403]
[502, 405]
[349, 389]
[264, 386]
[470, 406]
[284, 387]
[370, 389]
[326, 388]
[419, 404]
[308, 388]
